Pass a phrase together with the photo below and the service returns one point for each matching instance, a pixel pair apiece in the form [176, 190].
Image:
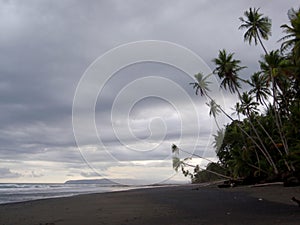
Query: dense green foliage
[265, 143]
[206, 175]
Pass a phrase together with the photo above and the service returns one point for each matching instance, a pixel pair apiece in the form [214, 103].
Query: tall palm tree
[260, 88]
[273, 67]
[292, 42]
[276, 68]
[227, 69]
[292, 39]
[258, 27]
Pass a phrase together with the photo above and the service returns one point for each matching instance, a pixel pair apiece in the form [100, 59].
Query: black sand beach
[164, 205]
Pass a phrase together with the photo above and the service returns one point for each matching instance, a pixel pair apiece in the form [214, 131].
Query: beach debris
[230, 183]
[267, 184]
[296, 200]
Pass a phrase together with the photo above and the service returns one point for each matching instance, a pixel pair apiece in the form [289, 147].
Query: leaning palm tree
[178, 163]
[201, 84]
[227, 69]
[176, 150]
[218, 139]
[214, 110]
[258, 27]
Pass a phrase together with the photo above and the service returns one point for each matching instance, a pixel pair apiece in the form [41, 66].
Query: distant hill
[90, 181]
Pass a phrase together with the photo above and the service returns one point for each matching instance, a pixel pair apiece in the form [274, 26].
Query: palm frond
[201, 84]
[175, 149]
[176, 163]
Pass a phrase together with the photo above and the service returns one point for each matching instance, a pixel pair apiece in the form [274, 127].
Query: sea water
[10, 193]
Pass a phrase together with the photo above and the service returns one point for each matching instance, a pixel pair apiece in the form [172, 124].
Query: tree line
[262, 142]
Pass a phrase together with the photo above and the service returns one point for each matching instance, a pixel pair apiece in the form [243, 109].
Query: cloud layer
[45, 48]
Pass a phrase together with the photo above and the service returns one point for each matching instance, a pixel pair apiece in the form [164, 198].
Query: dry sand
[164, 205]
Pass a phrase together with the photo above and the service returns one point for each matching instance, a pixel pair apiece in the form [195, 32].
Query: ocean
[10, 193]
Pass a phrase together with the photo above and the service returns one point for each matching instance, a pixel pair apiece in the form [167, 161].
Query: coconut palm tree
[292, 38]
[248, 106]
[258, 27]
[260, 88]
[227, 69]
[273, 67]
[214, 110]
[176, 150]
[218, 139]
[237, 110]
[178, 163]
[292, 42]
[277, 69]
[201, 84]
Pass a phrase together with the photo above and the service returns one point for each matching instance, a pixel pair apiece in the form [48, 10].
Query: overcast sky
[46, 47]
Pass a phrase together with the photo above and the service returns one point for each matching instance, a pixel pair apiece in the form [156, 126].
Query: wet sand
[186, 204]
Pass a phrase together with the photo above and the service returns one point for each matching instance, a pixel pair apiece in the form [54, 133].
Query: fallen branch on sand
[267, 184]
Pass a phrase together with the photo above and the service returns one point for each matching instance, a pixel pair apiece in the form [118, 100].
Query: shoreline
[180, 204]
[73, 194]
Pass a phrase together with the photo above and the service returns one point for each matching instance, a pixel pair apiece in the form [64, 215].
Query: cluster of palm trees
[265, 143]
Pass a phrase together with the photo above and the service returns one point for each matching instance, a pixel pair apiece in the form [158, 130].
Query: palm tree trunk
[277, 115]
[273, 142]
[263, 147]
[258, 168]
[258, 161]
[210, 171]
[262, 45]
[217, 123]
[220, 108]
[193, 154]
[264, 102]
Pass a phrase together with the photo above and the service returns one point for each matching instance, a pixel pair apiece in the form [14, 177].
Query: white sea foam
[10, 193]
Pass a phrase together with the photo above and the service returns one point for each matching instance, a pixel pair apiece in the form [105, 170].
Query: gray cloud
[89, 174]
[46, 46]
[7, 173]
